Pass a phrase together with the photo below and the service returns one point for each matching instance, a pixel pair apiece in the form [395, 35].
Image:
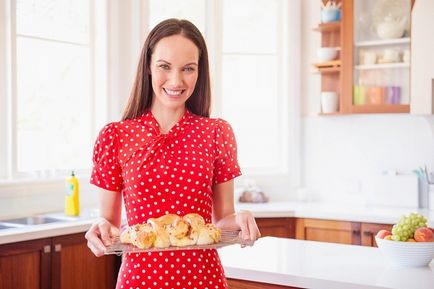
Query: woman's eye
[164, 66]
[189, 69]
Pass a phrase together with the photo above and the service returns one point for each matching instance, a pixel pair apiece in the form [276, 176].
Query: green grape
[407, 225]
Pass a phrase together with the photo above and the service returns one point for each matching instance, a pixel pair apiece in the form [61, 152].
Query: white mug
[329, 102]
[369, 57]
[406, 56]
[391, 55]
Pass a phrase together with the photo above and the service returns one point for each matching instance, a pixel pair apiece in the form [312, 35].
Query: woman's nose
[175, 78]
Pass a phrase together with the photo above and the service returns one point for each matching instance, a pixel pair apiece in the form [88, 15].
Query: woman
[167, 156]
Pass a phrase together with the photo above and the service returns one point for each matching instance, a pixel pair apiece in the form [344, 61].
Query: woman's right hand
[100, 235]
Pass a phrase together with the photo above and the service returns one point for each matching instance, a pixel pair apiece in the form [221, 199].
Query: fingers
[253, 229]
[99, 236]
[93, 241]
[114, 232]
[105, 231]
[248, 226]
[245, 234]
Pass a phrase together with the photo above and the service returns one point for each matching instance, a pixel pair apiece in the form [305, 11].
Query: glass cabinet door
[381, 55]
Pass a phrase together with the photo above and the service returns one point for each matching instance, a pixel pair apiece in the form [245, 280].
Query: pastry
[172, 230]
[142, 236]
[193, 219]
[208, 234]
[181, 234]
[162, 236]
[125, 236]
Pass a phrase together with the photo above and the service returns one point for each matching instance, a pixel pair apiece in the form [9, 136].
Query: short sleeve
[226, 165]
[106, 172]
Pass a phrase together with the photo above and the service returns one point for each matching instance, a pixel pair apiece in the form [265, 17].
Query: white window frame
[12, 182]
[126, 30]
[281, 182]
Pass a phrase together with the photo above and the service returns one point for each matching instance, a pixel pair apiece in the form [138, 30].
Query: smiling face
[174, 71]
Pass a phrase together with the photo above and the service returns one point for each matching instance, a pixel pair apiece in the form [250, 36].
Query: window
[193, 10]
[252, 82]
[49, 114]
[250, 78]
[57, 88]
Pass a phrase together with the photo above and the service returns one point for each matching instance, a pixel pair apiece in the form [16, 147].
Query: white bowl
[407, 254]
[330, 15]
[326, 53]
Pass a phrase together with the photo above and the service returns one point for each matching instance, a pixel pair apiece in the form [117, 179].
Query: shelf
[383, 66]
[328, 27]
[329, 113]
[381, 108]
[335, 64]
[329, 70]
[397, 41]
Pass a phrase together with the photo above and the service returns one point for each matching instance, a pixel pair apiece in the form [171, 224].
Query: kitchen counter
[381, 215]
[66, 227]
[367, 214]
[308, 264]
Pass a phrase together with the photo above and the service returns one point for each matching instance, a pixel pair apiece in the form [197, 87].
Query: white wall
[310, 41]
[422, 62]
[341, 155]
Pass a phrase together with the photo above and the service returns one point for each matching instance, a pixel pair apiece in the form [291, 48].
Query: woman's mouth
[174, 92]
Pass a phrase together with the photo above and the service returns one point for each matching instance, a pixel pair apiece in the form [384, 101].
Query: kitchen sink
[33, 220]
[7, 226]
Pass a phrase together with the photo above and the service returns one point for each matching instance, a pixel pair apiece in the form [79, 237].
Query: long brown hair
[140, 99]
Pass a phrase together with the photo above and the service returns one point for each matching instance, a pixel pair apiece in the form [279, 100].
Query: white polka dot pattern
[167, 173]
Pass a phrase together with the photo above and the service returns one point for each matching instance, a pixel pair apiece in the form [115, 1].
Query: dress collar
[148, 119]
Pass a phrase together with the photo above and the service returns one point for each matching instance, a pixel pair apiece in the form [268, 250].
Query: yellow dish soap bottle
[72, 204]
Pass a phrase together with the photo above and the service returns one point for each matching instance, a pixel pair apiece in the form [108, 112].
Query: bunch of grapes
[407, 224]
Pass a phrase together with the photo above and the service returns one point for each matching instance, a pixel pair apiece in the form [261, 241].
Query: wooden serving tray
[227, 238]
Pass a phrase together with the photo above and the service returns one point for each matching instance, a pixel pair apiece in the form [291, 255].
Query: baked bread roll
[125, 236]
[172, 230]
[208, 234]
[195, 220]
[165, 220]
[142, 236]
[181, 234]
[160, 225]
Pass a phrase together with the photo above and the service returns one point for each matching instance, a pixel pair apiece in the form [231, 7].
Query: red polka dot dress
[160, 174]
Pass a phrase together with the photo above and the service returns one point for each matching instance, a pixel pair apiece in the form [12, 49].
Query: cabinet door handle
[57, 247]
[367, 233]
[47, 249]
[356, 232]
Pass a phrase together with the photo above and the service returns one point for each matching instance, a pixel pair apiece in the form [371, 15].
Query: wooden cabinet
[382, 40]
[59, 263]
[243, 284]
[26, 265]
[344, 232]
[276, 227]
[336, 75]
[74, 266]
[380, 85]
[368, 232]
[328, 231]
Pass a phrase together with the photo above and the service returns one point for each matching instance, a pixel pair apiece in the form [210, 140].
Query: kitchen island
[290, 263]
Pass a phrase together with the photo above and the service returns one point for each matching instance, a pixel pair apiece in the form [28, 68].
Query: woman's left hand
[247, 223]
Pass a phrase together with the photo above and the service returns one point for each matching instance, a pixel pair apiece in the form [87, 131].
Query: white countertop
[309, 264]
[327, 211]
[72, 226]
[382, 215]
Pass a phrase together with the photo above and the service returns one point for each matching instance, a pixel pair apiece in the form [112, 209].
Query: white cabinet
[422, 57]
